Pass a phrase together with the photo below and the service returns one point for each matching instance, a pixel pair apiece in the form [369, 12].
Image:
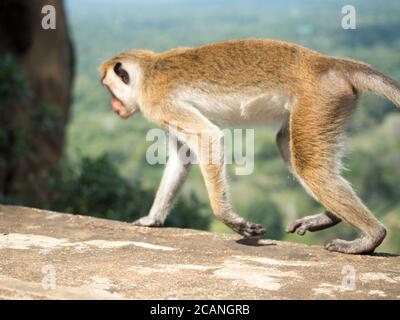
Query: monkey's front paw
[147, 221]
[249, 230]
[359, 246]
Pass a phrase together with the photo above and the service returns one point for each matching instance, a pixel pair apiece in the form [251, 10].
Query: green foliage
[266, 213]
[46, 116]
[189, 212]
[98, 189]
[13, 85]
[373, 164]
[266, 148]
[16, 135]
[13, 89]
[95, 187]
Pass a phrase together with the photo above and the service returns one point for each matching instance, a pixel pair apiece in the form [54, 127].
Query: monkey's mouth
[116, 104]
[119, 108]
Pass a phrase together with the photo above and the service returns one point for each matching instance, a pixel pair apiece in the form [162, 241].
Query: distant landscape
[101, 144]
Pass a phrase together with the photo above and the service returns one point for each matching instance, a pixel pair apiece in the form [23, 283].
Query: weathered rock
[61, 256]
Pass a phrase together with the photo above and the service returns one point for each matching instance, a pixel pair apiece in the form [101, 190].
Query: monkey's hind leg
[309, 223]
[314, 223]
[315, 129]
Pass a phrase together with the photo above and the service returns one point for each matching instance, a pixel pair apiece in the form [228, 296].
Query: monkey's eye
[121, 73]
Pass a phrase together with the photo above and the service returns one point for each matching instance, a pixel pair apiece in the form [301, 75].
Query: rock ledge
[48, 255]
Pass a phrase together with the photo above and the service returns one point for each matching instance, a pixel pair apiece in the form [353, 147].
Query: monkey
[253, 81]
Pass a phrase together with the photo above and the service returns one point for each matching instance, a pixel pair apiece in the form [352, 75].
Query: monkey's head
[121, 76]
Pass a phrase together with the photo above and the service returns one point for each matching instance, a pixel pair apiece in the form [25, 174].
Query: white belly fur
[237, 109]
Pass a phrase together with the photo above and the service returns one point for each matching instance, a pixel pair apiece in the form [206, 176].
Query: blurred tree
[36, 70]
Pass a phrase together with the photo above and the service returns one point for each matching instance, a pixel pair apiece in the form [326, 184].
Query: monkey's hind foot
[249, 230]
[147, 221]
[313, 223]
[363, 245]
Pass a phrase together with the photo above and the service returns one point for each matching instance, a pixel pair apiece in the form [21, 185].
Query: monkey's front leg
[174, 176]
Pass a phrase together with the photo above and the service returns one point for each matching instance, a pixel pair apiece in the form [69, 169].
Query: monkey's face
[120, 82]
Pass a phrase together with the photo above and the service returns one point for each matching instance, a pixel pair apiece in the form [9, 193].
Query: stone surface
[47, 255]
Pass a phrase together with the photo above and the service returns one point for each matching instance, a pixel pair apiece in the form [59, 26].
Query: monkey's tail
[364, 78]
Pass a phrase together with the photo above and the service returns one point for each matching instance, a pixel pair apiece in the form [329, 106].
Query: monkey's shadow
[253, 242]
[382, 254]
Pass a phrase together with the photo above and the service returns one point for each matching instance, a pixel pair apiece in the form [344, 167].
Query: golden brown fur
[318, 92]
